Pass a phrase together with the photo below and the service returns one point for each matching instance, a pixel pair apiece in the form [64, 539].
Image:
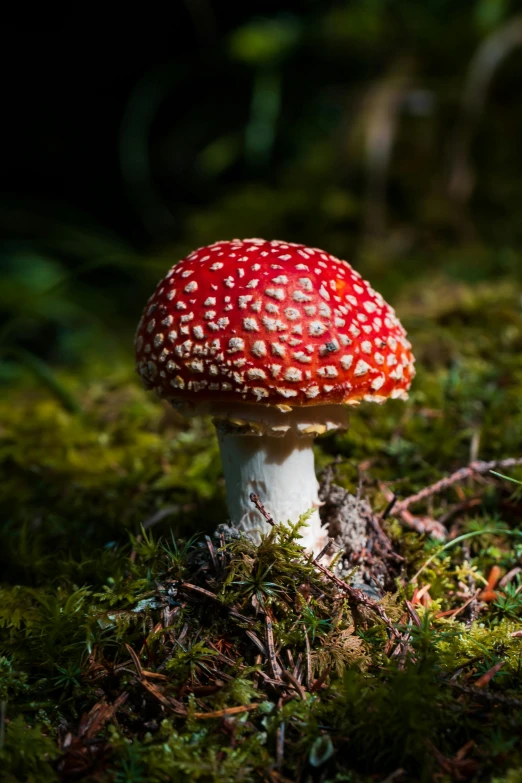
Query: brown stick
[478, 467]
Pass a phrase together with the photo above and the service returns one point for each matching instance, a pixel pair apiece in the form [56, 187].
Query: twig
[424, 525]
[258, 643]
[289, 677]
[136, 660]
[276, 669]
[200, 590]
[387, 511]
[213, 555]
[478, 467]
[227, 711]
[308, 662]
[316, 685]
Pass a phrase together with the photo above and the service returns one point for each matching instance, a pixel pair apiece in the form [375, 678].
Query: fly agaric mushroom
[274, 340]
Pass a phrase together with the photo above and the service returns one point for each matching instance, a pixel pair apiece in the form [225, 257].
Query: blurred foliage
[387, 133]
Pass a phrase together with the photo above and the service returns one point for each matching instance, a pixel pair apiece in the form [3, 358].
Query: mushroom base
[280, 470]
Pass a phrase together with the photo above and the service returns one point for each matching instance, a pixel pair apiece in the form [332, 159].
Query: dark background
[387, 132]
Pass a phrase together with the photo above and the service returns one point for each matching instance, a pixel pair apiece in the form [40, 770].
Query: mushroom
[274, 340]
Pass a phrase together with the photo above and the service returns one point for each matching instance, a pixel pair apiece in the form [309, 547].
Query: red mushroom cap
[271, 322]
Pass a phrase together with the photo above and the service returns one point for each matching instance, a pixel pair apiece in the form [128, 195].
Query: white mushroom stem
[280, 470]
[268, 450]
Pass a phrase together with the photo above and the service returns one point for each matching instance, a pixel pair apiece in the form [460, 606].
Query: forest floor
[138, 644]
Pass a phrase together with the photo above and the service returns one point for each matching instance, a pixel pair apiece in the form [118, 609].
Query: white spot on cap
[192, 286]
[139, 343]
[260, 392]
[256, 373]
[196, 365]
[286, 392]
[259, 348]
[378, 382]
[198, 332]
[172, 335]
[301, 356]
[209, 301]
[278, 349]
[293, 374]
[379, 358]
[324, 293]
[292, 314]
[275, 369]
[250, 325]
[209, 315]
[275, 293]
[181, 306]
[235, 344]
[312, 392]
[316, 328]
[300, 296]
[183, 349]
[346, 362]
[187, 273]
[151, 325]
[366, 346]
[330, 347]
[243, 301]
[178, 382]
[361, 368]
[216, 265]
[324, 310]
[328, 372]
[280, 280]
[252, 284]
[158, 340]
[305, 282]
[270, 324]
